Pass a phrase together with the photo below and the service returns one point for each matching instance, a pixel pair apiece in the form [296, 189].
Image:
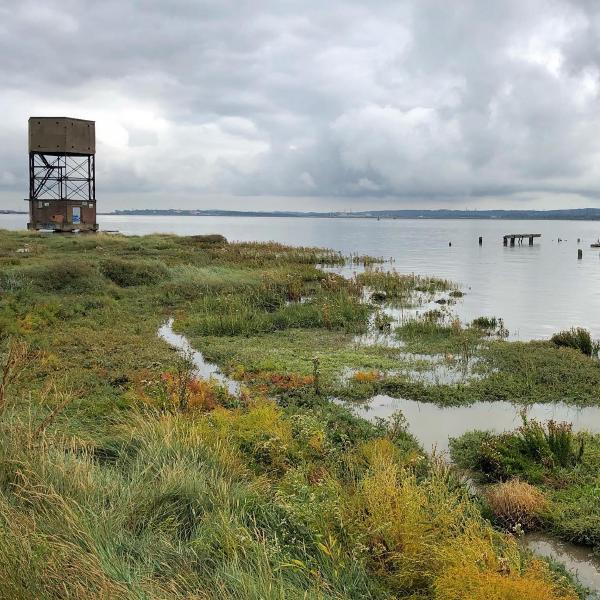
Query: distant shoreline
[579, 214]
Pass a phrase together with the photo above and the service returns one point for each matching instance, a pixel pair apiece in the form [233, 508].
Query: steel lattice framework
[62, 177]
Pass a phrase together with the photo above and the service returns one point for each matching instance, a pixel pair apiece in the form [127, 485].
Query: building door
[76, 214]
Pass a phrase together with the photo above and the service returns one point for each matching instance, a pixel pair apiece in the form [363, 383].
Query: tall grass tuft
[516, 503]
[130, 272]
[577, 338]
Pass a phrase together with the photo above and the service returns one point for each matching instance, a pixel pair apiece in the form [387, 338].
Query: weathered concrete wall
[58, 214]
[62, 135]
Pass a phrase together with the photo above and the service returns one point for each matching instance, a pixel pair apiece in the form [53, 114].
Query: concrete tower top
[62, 135]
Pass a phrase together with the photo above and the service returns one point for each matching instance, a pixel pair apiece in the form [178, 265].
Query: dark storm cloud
[388, 103]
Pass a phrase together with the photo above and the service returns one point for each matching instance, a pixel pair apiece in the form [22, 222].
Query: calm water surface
[537, 290]
[433, 425]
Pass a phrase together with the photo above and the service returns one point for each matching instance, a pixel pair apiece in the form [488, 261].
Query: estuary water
[537, 289]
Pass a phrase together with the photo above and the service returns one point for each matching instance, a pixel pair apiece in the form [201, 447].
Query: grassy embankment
[540, 476]
[123, 477]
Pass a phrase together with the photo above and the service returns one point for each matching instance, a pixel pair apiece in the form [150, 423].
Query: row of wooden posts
[521, 237]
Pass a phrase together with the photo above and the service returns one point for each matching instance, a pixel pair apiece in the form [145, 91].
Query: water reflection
[432, 425]
[203, 368]
[579, 560]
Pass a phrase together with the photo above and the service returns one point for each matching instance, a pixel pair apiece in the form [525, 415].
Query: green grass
[391, 285]
[109, 489]
[563, 465]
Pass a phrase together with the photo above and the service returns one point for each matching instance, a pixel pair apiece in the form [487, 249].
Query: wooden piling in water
[580, 254]
[521, 236]
[481, 240]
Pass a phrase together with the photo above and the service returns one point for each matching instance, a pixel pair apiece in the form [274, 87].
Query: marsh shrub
[516, 502]
[205, 241]
[485, 322]
[456, 294]
[531, 451]
[577, 338]
[264, 310]
[126, 273]
[63, 275]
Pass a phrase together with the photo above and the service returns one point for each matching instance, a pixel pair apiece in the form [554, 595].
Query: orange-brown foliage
[516, 502]
[284, 381]
[200, 393]
[366, 376]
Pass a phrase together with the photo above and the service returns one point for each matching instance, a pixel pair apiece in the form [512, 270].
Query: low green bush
[205, 241]
[577, 338]
[533, 452]
[485, 322]
[127, 273]
[70, 275]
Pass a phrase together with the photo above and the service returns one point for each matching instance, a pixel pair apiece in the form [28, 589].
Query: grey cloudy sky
[312, 104]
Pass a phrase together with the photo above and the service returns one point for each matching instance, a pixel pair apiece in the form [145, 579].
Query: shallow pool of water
[432, 425]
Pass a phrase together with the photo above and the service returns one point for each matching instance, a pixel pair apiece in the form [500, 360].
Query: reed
[577, 338]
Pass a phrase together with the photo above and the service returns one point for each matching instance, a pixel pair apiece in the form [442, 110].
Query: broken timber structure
[520, 237]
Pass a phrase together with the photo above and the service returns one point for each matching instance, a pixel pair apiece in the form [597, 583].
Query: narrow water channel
[203, 368]
[579, 560]
[432, 425]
